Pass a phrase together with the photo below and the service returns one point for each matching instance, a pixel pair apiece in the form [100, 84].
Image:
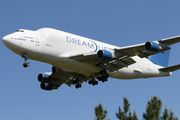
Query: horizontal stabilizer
[170, 68]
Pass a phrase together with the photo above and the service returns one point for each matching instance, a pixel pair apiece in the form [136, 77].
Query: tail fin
[160, 58]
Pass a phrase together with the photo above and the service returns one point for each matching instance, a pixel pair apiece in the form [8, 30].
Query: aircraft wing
[111, 65]
[140, 50]
[60, 76]
[124, 54]
[170, 41]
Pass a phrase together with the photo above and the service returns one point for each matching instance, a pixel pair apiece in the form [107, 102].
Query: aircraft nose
[5, 40]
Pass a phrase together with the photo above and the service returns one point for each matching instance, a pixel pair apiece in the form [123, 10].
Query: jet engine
[152, 46]
[48, 86]
[44, 78]
[104, 55]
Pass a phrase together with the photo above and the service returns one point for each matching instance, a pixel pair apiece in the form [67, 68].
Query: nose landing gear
[25, 64]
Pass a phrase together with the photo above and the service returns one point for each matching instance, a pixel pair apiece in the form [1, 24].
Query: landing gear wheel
[78, 86]
[107, 75]
[90, 82]
[25, 56]
[96, 82]
[104, 76]
[104, 79]
[26, 64]
[100, 78]
[74, 82]
[93, 82]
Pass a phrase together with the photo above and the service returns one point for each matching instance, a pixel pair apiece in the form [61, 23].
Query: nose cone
[11, 44]
[5, 40]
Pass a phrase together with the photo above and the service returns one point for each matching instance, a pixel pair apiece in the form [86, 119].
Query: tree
[153, 109]
[171, 116]
[124, 115]
[100, 113]
[165, 114]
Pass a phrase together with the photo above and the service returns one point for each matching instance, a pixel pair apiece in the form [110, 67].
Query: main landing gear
[25, 64]
[104, 77]
[77, 84]
[93, 82]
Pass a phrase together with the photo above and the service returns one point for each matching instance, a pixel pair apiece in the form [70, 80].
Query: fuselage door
[37, 42]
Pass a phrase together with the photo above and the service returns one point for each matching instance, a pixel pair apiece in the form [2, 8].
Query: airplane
[77, 59]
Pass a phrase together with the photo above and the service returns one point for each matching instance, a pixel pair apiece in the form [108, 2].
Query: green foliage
[171, 116]
[165, 114]
[153, 109]
[126, 115]
[126, 105]
[100, 113]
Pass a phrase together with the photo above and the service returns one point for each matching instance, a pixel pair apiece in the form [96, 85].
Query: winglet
[170, 68]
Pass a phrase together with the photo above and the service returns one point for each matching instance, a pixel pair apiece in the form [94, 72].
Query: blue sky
[117, 22]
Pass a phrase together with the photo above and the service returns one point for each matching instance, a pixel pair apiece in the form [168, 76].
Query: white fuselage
[55, 47]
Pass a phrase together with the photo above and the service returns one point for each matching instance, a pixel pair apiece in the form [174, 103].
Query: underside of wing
[53, 80]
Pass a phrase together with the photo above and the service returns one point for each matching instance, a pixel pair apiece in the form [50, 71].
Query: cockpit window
[19, 31]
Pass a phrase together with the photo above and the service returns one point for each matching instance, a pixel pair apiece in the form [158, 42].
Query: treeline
[153, 111]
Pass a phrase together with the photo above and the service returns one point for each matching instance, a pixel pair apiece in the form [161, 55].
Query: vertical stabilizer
[160, 58]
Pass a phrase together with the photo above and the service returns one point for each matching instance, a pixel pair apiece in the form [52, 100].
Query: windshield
[19, 31]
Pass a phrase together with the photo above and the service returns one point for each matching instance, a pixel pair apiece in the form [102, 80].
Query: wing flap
[119, 63]
[170, 68]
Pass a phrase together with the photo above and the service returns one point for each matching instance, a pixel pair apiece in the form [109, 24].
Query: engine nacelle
[104, 55]
[44, 78]
[152, 46]
[46, 86]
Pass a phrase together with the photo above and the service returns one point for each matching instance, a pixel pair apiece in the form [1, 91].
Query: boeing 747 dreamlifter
[77, 59]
